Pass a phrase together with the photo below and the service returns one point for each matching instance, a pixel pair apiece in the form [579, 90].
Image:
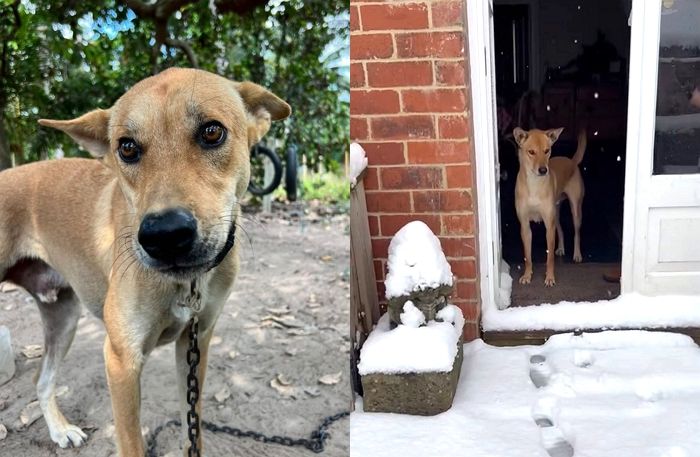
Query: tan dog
[131, 234]
[541, 186]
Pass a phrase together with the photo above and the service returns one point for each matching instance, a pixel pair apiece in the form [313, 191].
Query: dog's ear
[263, 108]
[520, 135]
[90, 131]
[553, 134]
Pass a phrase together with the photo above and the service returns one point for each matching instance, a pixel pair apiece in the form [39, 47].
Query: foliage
[70, 56]
[327, 187]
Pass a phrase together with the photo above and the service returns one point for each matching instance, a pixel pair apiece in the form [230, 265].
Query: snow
[609, 394]
[416, 261]
[412, 316]
[405, 349]
[630, 310]
[505, 286]
[678, 123]
[358, 162]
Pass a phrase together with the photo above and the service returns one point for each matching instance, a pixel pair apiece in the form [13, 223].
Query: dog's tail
[581, 149]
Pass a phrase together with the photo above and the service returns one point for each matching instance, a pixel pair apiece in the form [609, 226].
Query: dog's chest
[178, 317]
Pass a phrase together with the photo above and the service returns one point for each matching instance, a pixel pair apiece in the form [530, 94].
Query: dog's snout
[542, 171]
[168, 235]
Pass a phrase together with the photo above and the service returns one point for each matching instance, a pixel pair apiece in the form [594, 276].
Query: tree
[70, 56]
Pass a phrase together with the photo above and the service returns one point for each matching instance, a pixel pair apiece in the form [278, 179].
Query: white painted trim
[643, 74]
[485, 152]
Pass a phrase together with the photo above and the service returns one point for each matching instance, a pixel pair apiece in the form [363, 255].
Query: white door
[483, 80]
[661, 240]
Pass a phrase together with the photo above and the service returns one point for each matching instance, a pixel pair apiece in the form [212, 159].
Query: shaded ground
[290, 262]
[575, 282]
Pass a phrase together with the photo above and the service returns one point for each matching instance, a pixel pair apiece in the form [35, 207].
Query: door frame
[640, 129]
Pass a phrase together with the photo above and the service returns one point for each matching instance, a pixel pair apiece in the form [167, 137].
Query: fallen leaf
[285, 321]
[290, 351]
[326, 258]
[283, 386]
[30, 413]
[331, 379]
[222, 395]
[215, 341]
[3, 432]
[32, 351]
[232, 354]
[7, 287]
[280, 310]
[312, 391]
[299, 331]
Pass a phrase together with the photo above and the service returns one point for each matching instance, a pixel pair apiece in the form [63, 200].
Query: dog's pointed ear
[520, 135]
[263, 107]
[553, 134]
[90, 131]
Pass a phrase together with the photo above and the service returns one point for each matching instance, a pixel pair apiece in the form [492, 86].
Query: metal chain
[193, 430]
[315, 442]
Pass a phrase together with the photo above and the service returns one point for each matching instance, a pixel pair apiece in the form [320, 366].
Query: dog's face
[179, 144]
[535, 148]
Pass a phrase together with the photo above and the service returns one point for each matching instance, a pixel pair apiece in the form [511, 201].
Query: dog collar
[230, 240]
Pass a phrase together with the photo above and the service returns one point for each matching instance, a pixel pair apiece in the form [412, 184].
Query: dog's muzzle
[168, 236]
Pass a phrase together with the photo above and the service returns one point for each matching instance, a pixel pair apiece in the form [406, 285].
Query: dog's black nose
[168, 235]
[542, 170]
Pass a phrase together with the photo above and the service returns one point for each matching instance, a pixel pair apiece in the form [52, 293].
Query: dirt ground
[293, 260]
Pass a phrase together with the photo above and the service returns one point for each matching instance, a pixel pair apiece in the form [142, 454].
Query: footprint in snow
[540, 371]
[551, 437]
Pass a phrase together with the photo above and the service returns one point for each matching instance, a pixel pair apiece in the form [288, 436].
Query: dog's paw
[526, 278]
[68, 436]
[578, 258]
[560, 251]
[549, 281]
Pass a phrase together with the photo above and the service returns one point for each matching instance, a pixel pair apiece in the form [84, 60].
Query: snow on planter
[418, 272]
[413, 369]
[358, 162]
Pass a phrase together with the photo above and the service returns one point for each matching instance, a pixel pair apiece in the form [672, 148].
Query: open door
[480, 17]
[662, 205]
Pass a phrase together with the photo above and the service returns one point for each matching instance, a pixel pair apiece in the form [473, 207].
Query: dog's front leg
[526, 236]
[123, 376]
[183, 369]
[550, 226]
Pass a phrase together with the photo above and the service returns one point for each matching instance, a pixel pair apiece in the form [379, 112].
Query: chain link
[315, 443]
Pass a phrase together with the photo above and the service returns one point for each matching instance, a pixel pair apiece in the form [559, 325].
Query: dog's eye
[547, 151]
[531, 152]
[211, 134]
[129, 150]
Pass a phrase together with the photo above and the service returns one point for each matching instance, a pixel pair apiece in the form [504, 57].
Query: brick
[463, 269]
[355, 19]
[442, 201]
[471, 331]
[357, 75]
[428, 152]
[411, 178]
[388, 202]
[374, 102]
[458, 246]
[384, 153]
[447, 13]
[381, 292]
[398, 74]
[470, 309]
[374, 46]
[430, 44]
[380, 247]
[379, 269]
[373, 225]
[458, 224]
[372, 178]
[392, 223]
[393, 17]
[402, 127]
[450, 73]
[466, 290]
[453, 127]
[434, 100]
[358, 129]
[458, 176]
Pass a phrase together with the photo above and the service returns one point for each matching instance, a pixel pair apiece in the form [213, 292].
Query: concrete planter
[423, 394]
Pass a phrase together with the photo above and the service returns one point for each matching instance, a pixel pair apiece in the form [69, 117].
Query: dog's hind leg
[560, 233]
[576, 212]
[60, 319]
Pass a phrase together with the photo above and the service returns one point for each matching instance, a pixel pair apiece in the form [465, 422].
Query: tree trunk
[5, 153]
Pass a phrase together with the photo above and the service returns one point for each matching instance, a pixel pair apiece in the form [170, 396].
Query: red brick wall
[409, 107]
